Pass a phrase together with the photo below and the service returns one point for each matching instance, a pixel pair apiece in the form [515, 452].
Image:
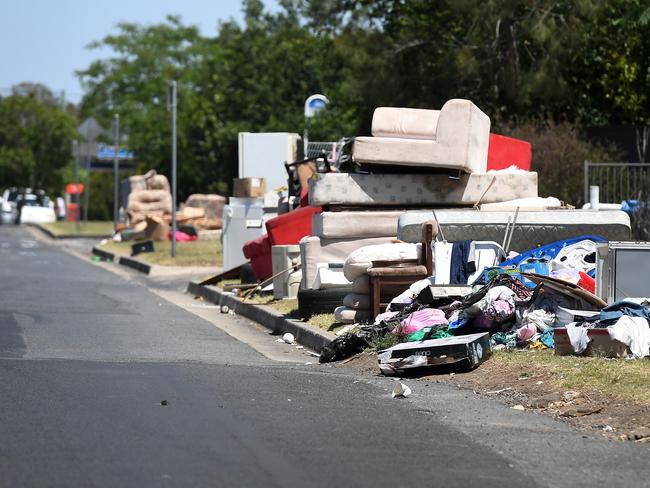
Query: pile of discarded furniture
[148, 210]
[437, 234]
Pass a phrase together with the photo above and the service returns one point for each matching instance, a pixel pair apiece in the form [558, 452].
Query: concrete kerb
[132, 263]
[305, 335]
[135, 264]
[105, 255]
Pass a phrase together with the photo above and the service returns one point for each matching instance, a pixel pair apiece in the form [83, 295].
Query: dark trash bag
[342, 347]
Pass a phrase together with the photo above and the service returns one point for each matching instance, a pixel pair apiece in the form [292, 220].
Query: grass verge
[91, 228]
[289, 308]
[617, 377]
[194, 253]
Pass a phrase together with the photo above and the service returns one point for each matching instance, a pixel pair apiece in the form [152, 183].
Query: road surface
[103, 382]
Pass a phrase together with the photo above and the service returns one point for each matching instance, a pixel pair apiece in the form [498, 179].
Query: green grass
[627, 379]
[289, 308]
[195, 253]
[91, 228]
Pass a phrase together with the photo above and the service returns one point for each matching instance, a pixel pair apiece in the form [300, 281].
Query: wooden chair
[403, 273]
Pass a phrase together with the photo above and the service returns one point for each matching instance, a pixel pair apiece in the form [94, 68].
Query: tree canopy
[545, 62]
[35, 138]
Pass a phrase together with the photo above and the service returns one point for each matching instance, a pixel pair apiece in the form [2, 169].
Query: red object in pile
[587, 282]
[285, 229]
[504, 152]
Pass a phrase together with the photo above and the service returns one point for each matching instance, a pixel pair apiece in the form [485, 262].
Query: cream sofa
[455, 137]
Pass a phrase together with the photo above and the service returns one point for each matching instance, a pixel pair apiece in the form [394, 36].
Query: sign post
[116, 168]
[90, 131]
[75, 155]
[172, 107]
[313, 104]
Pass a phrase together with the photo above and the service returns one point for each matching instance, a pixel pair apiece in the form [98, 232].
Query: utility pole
[75, 155]
[172, 106]
[116, 168]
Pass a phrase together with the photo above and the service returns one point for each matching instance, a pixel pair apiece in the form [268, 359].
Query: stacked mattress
[532, 229]
[368, 190]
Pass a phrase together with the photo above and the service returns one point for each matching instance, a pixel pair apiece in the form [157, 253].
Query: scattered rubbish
[95, 259]
[288, 338]
[539, 383]
[608, 428]
[470, 350]
[401, 390]
[639, 433]
[225, 309]
[498, 391]
[141, 247]
[519, 407]
[300, 347]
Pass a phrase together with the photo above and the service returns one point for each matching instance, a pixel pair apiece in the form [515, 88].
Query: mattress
[362, 224]
[420, 190]
[532, 228]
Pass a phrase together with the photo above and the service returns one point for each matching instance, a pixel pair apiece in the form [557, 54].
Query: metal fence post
[585, 175]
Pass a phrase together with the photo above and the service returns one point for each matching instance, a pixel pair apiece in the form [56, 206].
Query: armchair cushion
[455, 137]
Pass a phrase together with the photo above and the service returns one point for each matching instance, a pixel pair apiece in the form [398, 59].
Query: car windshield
[34, 201]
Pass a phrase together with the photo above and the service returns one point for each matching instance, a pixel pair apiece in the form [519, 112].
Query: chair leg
[375, 295]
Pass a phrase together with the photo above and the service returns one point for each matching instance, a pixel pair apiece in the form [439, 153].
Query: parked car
[35, 208]
[8, 205]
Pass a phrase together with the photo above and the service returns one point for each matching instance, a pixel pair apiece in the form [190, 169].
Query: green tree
[35, 138]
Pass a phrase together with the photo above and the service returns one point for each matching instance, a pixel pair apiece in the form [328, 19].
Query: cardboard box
[249, 187]
[471, 349]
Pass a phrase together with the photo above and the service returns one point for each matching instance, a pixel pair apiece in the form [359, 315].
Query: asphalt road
[87, 358]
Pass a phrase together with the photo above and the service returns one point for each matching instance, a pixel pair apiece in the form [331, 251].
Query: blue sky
[45, 41]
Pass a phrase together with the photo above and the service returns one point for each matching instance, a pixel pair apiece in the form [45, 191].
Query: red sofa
[504, 152]
[285, 229]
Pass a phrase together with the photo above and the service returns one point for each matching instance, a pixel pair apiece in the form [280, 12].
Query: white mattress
[533, 228]
[362, 224]
[426, 189]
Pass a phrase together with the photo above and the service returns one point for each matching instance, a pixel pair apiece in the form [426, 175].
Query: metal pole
[173, 107]
[116, 168]
[77, 197]
[585, 176]
[86, 189]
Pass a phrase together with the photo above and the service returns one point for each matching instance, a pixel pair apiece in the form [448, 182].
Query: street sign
[108, 152]
[90, 129]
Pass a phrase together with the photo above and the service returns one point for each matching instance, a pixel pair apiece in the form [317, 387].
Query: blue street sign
[108, 152]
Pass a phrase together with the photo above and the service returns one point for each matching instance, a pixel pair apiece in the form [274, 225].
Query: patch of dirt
[536, 389]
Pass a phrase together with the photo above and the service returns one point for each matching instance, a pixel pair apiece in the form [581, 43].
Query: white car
[35, 209]
[9, 212]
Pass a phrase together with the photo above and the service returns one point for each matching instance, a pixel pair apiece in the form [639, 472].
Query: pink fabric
[500, 310]
[426, 317]
[181, 236]
[385, 316]
[526, 332]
